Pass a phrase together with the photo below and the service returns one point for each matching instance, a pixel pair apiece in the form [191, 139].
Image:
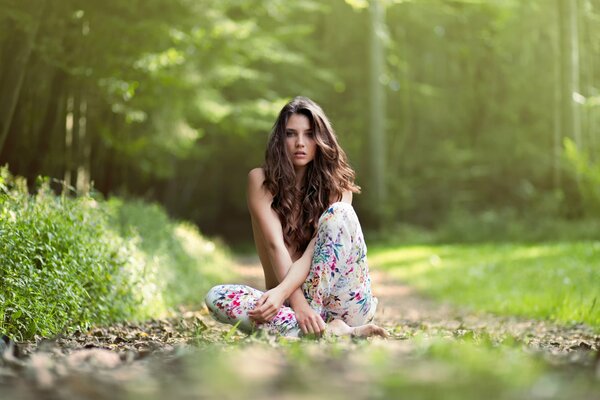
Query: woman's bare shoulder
[257, 174]
[346, 198]
[256, 178]
[256, 189]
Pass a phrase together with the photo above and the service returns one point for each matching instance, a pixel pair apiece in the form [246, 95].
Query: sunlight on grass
[557, 281]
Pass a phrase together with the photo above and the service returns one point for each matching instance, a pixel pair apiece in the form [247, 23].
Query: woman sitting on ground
[307, 235]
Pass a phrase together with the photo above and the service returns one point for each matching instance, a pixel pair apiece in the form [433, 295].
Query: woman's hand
[309, 320]
[268, 305]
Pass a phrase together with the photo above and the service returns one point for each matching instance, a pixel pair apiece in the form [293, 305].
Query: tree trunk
[49, 124]
[569, 54]
[558, 129]
[83, 149]
[18, 51]
[378, 112]
[588, 54]
[397, 144]
[72, 136]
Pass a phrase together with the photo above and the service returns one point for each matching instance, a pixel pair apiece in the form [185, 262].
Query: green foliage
[184, 263]
[556, 281]
[493, 226]
[587, 174]
[471, 90]
[63, 265]
[508, 225]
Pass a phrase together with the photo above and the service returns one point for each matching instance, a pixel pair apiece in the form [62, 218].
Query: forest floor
[189, 355]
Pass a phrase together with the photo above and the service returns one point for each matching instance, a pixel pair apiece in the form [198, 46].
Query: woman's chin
[301, 164]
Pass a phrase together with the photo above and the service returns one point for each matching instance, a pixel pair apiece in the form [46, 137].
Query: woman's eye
[289, 134]
[310, 134]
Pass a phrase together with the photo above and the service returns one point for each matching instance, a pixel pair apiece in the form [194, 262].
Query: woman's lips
[300, 154]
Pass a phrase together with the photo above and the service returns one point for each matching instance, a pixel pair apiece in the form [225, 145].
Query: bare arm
[290, 276]
[259, 204]
[298, 271]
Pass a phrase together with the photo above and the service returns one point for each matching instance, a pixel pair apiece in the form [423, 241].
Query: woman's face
[299, 140]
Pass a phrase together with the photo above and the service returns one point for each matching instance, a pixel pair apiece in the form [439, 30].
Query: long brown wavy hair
[327, 176]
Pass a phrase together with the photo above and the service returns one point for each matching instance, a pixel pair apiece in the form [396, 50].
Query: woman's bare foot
[369, 330]
[337, 327]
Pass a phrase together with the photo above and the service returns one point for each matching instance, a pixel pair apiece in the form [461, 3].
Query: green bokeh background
[448, 109]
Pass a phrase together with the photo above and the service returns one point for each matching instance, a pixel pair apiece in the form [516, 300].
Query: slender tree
[569, 72]
[377, 104]
[557, 122]
[16, 53]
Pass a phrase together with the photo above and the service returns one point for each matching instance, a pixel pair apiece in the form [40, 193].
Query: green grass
[555, 281]
[70, 262]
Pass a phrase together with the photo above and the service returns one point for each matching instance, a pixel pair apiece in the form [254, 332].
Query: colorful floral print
[338, 285]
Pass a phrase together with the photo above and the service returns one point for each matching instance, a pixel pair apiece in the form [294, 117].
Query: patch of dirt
[406, 313]
[119, 361]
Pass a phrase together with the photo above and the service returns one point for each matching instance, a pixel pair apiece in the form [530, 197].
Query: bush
[510, 226]
[185, 263]
[60, 265]
[68, 263]
[587, 175]
[463, 226]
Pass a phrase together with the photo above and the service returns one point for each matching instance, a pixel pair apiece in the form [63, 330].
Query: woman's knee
[338, 213]
[213, 295]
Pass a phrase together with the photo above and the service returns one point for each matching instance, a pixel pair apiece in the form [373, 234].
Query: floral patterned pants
[338, 285]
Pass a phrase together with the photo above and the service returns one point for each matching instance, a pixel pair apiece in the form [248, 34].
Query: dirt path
[404, 313]
[141, 360]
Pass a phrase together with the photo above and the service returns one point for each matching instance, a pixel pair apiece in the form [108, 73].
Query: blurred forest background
[449, 110]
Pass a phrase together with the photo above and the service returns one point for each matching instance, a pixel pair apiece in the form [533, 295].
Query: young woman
[307, 235]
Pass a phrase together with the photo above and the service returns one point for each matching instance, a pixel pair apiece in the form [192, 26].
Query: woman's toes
[369, 330]
[379, 331]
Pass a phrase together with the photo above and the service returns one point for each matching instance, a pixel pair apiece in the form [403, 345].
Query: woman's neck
[300, 172]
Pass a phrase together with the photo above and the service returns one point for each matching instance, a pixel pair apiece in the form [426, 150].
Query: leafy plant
[587, 174]
[68, 263]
